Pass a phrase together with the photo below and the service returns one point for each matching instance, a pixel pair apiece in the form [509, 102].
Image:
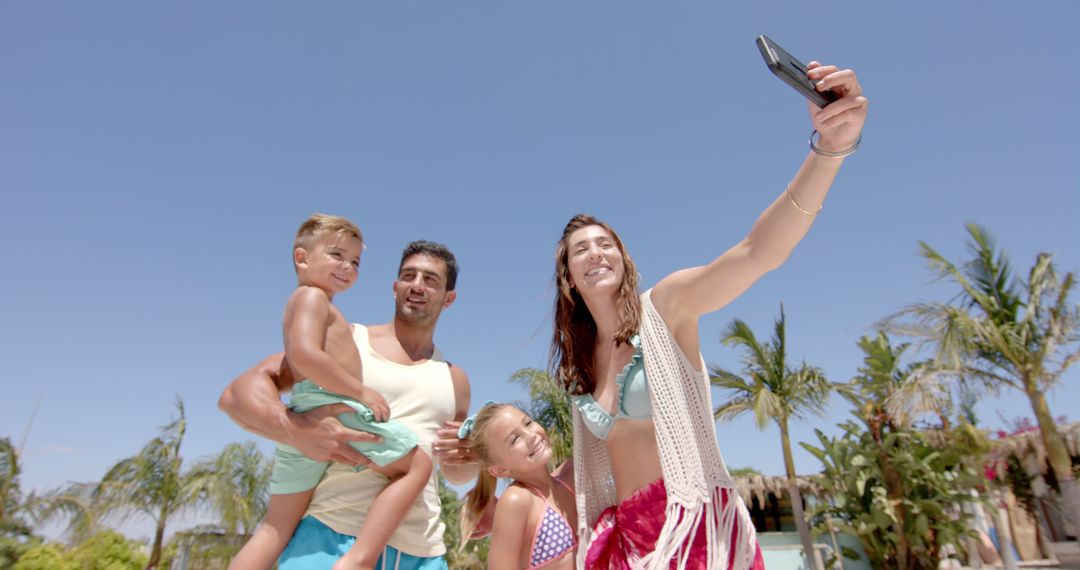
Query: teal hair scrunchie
[467, 425]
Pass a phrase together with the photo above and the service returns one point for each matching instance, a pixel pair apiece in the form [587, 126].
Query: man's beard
[415, 316]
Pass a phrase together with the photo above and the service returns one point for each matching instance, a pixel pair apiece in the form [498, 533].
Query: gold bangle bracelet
[796, 204]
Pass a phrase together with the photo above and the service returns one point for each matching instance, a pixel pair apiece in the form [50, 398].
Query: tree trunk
[894, 490]
[155, 552]
[1058, 456]
[796, 501]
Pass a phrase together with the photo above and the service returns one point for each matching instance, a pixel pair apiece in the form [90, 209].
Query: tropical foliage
[106, 550]
[46, 556]
[153, 484]
[898, 494]
[15, 534]
[150, 483]
[773, 390]
[473, 556]
[234, 485]
[75, 505]
[1005, 330]
[888, 485]
[10, 498]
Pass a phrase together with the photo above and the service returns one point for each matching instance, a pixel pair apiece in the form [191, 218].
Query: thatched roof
[1029, 444]
[760, 486]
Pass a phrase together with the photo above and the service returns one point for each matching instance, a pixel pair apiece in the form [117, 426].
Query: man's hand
[319, 435]
[449, 449]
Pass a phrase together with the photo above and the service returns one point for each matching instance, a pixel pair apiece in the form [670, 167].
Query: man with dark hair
[433, 249]
[425, 392]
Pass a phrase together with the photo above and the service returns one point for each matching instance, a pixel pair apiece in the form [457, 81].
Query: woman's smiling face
[594, 260]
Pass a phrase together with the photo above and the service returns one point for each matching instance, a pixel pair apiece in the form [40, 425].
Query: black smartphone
[792, 72]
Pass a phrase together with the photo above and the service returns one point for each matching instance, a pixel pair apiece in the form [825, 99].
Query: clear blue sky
[156, 158]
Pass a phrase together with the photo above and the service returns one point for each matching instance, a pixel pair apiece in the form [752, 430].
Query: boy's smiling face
[331, 265]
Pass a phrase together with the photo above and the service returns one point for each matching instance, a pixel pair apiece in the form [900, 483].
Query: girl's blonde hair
[481, 497]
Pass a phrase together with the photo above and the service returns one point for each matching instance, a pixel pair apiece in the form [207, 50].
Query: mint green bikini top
[633, 401]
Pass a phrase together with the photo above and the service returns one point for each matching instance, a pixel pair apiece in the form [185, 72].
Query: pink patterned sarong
[628, 531]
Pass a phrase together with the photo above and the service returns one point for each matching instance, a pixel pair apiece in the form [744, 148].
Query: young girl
[535, 517]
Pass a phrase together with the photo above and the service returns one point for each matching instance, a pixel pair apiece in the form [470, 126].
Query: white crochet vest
[694, 472]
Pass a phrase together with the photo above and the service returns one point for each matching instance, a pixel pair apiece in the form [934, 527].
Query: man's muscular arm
[455, 458]
[253, 401]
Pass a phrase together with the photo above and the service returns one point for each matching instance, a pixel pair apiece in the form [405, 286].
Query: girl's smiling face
[516, 443]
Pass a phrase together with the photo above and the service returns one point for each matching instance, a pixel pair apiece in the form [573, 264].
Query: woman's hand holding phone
[839, 123]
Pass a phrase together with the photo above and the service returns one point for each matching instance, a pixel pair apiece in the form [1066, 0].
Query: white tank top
[421, 397]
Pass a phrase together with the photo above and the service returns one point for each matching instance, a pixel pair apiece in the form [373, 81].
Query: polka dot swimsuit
[553, 537]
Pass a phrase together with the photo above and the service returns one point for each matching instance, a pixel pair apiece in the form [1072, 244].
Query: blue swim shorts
[315, 546]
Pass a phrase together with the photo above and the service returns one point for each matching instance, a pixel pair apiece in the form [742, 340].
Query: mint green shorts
[294, 472]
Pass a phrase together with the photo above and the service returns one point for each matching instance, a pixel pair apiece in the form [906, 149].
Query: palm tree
[16, 537]
[151, 483]
[1005, 331]
[774, 391]
[235, 484]
[887, 396]
[549, 405]
[10, 497]
[885, 392]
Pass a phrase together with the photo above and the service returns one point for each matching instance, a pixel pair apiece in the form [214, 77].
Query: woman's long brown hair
[574, 338]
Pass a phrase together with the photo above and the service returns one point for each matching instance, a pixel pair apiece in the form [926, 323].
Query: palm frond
[734, 408]
[924, 390]
[723, 378]
[768, 387]
[234, 484]
[766, 406]
[739, 334]
[9, 480]
[74, 504]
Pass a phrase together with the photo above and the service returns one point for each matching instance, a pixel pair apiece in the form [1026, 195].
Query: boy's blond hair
[318, 226]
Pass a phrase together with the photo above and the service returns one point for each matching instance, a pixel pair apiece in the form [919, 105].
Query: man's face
[420, 292]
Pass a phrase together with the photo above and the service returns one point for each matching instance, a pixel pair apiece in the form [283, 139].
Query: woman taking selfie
[652, 488]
